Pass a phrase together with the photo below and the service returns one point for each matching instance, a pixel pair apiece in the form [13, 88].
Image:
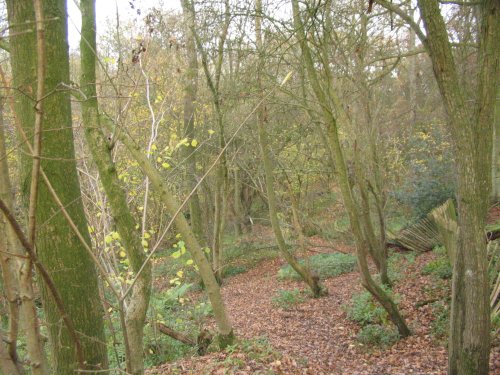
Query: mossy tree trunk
[471, 128]
[135, 314]
[58, 247]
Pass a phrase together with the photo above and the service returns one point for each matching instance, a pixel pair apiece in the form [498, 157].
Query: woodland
[250, 187]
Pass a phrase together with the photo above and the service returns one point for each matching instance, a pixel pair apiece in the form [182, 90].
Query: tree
[262, 122]
[471, 129]
[137, 306]
[59, 248]
[334, 116]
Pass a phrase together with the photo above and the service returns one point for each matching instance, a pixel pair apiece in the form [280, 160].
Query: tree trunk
[190, 95]
[471, 130]
[330, 104]
[174, 209]
[10, 263]
[306, 275]
[58, 247]
[138, 302]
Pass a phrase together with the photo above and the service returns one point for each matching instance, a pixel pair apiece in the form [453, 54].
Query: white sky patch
[106, 15]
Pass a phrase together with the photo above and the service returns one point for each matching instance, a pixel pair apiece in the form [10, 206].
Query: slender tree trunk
[193, 246]
[305, 274]
[135, 314]
[59, 249]
[330, 104]
[10, 263]
[190, 95]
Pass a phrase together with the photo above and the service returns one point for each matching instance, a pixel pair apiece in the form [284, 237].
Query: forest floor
[315, 336]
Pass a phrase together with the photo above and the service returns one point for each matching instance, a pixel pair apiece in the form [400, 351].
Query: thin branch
[47, 279]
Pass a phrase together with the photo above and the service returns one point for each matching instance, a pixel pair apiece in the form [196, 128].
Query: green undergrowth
[242, 256]
[397, 263]
[440, 267]
[376, 329]
[322, 265]
[236, 357]
[287, 299]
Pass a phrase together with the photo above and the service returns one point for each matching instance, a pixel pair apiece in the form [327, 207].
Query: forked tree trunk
[173, 207]
[58, 247]
[330, 104]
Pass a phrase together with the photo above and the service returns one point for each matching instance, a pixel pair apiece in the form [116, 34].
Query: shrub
[440, 267]
[286, 299]
[364, 310]
[233, 270]
[323, 265]
[441, 322]
[428, 162]
[377, 335]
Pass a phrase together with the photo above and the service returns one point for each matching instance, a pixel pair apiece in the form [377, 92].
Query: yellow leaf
[158, 159]
[287, 77]
[194, 143]
[144, 243]
[210, 131]
[123, 254]
[154, 148]
[165, 165]
[147, 235]
[180, 273]
[189, 262]
[115, 235]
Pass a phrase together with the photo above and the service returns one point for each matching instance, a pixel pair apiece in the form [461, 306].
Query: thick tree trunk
[138, 302]
[58, 247]
[471, 130]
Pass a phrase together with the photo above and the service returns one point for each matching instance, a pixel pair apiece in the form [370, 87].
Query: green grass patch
[323, 265]
[287, 299]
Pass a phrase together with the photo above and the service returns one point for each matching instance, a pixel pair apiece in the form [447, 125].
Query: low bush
[440, 268]
[323, 265]
[365, 311]
[441, 322]
[377, 335]
[286, 299]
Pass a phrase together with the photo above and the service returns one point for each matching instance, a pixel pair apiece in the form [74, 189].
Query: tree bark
[137, 306]
[471, 130]
[58, 247]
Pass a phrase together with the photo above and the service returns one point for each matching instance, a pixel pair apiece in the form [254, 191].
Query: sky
[106, 14]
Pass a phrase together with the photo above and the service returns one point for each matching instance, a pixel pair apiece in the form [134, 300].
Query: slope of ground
[315, 337]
